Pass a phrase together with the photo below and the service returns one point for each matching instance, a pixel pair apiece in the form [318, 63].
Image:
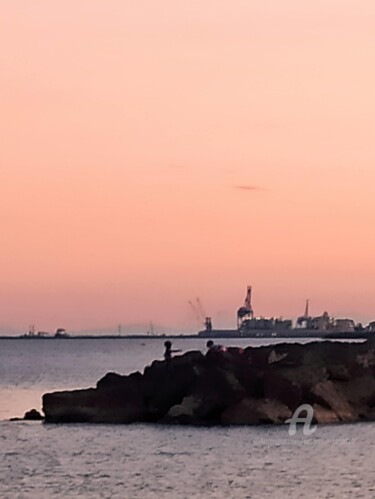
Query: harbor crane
[200, 314]
[245, 312]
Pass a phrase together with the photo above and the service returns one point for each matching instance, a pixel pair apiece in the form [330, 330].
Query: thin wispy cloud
[247, 187]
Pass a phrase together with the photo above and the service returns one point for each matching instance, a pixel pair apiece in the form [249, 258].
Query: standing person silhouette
[168, 351]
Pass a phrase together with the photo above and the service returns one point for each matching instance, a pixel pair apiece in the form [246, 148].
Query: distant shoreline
[101, 337]
[338, 336]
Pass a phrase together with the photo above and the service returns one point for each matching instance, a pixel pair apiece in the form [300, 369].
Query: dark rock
[185, 412]
[331, 398]
[257, 357]
[214, 389]
[359, 392]
[116, 380]
[278, 387]
[323, 415]
[33, 415]
[165, 384]
[338, 372]
[106, 405]
[237, 353]
[236, 386]
[256, 411]
[369, 414]
[252, 380]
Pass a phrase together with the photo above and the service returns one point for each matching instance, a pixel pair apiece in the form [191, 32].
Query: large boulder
[105, 405]
[278, 387]
[256, 411]
[330, 397]
[33, 415]
[214, 390]
[185, 412]
[114, 380]
[165, 384]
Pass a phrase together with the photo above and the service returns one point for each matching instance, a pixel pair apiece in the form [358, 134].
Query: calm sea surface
[150, 461]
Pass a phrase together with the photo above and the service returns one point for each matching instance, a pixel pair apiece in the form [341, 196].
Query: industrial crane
[200, 314]
[246, 311]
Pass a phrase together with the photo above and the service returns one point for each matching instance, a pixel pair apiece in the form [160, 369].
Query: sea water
[151, 461]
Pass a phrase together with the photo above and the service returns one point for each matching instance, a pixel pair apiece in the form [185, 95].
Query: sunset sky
[152, 152]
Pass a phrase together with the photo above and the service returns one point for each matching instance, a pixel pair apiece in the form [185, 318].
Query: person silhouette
[168, 351]
[212, 347]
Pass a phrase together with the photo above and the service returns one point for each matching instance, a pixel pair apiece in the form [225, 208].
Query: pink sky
[152, 152]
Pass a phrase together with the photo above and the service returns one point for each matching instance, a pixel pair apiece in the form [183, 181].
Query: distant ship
[31, 334]
[306, 326]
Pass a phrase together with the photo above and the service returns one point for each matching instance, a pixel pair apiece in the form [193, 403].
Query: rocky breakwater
[239, 386]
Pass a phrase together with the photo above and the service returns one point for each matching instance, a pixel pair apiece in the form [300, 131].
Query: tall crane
[245, 312]
[247, 303]
[304, 320]
[307, 309]
[199, 313]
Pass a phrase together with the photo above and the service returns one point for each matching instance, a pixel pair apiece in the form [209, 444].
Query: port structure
[307, 309]
[245, 312]
[306, 326]
[200, 314]
[304, 320]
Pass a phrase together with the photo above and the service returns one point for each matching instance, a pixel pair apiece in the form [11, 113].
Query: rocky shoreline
[250, 386]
